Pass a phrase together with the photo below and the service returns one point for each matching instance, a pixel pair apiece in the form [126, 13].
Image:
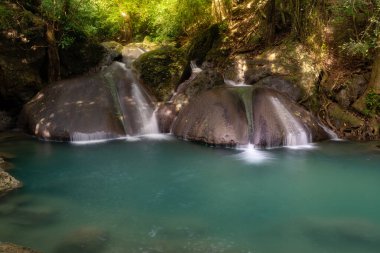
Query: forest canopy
[157, 20]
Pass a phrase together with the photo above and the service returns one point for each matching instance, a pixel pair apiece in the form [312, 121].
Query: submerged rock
[13, 248]
[106, 105]
[354, 232]
[84, 240]
[243, 115]
[8, 183]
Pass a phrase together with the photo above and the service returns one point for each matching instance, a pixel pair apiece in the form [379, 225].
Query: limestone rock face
[281, 85]
[215, 117]
[106, 105]
[242, 115]
[279, 121]
[196, 84]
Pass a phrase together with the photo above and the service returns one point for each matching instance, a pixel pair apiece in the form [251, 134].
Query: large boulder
[279, 121]
[109, 104]
[216, 117]
[293, 62]
[242, 115]
[161, 70]
[196, 84]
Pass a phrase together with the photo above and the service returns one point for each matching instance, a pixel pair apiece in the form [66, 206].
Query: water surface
[165, 195]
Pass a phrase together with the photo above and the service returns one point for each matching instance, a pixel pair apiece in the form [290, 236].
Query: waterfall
[331, 133]
[194, 68]
[79, 137]
[145, 112]
[295, 133]
[246, 96]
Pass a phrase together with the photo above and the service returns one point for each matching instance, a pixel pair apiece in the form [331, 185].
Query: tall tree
[270, 21]
[374, 83]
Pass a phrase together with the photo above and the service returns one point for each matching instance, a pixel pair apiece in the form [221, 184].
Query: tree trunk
[270, 21]
[374, 83]
[54, 70]
[219, 10]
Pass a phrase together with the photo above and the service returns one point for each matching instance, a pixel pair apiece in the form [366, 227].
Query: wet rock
[12, 248]
[342, 119]
[196, 84]
[99, 106]
[8, 183]
[131, 52]
[113, 52]
[202, 81]
[290, 61]
[281, 85]
[161, 70]
[343, 99]
[358, 86]
[84, 240]
[241, 115]
[354, 232]
[4, 165]
[215, 117]
[6, 155]
[6, 121]
[279, 121]
[33, 216]
[166, 114]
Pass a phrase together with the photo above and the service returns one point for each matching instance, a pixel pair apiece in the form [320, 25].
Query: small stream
[159, 194]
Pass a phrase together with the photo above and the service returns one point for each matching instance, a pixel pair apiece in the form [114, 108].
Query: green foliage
[5, 17]
[372, 102]
[161, 20]
[161, 70]
[357, 24]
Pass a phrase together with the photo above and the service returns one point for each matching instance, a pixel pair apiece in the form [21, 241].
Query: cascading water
[146, 114]
[331, 133]
[295, 133]
[78, 137]
[245, 92]
[194, 68]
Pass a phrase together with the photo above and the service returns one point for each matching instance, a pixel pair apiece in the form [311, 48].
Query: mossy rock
[343, 119]
[161, 70]
[80, 57]
[200, 45]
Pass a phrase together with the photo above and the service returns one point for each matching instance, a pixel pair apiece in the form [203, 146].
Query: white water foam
[194, 68]
[252, 155]
[233, 83]
[147, 115]
[80, 138]
[333, 136]
[296, 134]
[157, 136]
